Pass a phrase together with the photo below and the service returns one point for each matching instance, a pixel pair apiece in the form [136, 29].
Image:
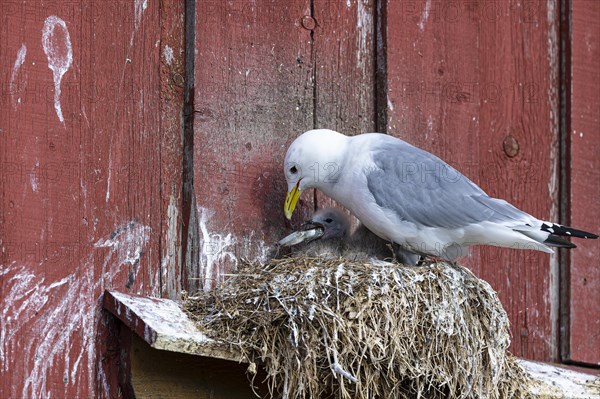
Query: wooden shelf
[172, 337]
[163, 324]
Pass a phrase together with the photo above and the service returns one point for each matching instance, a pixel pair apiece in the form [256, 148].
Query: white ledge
[551, 381]
[164, 325]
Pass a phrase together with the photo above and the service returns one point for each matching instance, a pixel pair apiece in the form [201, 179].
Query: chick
[328, 234]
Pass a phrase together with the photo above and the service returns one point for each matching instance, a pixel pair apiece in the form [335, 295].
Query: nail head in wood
[308, 22]
[511, 146]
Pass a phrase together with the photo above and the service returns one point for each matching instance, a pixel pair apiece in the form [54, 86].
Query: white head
[313, 160]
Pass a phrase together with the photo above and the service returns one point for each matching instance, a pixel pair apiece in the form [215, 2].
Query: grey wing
[421, 188]
[379, 248]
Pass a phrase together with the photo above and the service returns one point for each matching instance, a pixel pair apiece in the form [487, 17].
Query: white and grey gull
[411, 197]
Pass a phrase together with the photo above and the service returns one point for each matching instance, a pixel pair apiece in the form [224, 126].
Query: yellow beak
[291, 200]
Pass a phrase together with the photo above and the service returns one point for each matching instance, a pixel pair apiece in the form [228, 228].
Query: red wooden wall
[90, 199]
[95, 199]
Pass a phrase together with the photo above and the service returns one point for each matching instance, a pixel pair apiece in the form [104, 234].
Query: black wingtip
[558, 230]
[556, 241]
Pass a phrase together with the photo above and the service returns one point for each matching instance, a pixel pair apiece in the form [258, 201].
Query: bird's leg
[390, 246]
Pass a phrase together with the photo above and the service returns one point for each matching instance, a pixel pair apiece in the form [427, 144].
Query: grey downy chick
[324, 235]
[327, 234]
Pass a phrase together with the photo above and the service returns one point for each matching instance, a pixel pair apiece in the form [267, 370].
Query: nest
[343, 329]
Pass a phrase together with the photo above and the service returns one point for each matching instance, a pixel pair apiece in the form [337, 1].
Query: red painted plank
[464, 77]
[344, 60]
[82, 206]
[344, 70]
[584, 185]
[253, 96]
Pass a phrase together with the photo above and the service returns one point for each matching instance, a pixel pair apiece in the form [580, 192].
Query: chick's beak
[291, 200]
[308, 222]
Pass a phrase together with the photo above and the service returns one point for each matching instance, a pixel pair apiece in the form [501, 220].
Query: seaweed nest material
[344, 329]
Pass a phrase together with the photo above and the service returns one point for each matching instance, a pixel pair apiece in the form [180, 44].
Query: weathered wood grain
[172, 84]
[163, 325]
[344, 59]
[344, 49]
[81, 173]
[471, 81]
[253, 96]
[584, 138]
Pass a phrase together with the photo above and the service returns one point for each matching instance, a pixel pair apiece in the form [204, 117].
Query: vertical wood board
[584, 137]
[172, 83]
[253, 96]
[344, 59]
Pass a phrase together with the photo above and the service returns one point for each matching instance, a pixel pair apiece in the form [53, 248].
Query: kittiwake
[409, 196]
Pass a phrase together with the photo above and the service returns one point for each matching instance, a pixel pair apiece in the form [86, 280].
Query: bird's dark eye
[293, 170]
[328, 220]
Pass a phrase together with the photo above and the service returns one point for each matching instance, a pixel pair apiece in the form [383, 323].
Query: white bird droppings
[17, 66]
[425, 15]
[168, 55]
[58, 49]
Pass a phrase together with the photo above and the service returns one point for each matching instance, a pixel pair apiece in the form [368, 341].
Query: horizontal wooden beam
[164, 325]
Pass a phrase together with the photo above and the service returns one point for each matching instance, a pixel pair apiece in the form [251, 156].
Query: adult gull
[410, 197]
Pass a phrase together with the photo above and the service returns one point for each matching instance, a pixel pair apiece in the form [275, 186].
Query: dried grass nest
[344, 329]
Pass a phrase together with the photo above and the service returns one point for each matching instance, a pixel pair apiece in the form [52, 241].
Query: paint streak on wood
[254, 94]
[584, 137]
[59, 318]
[463, 77]
[82, 207]
[56, 42]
